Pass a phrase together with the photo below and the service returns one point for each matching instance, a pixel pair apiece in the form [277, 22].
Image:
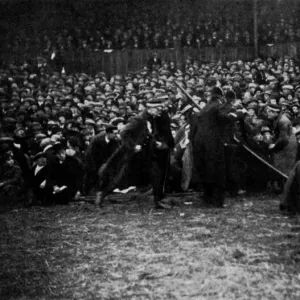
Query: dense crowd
[46, 114]
[146, 28]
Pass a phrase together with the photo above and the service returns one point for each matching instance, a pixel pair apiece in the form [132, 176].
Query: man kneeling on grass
[63, 181]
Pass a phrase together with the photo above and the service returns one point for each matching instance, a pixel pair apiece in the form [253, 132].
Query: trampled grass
[248, 250]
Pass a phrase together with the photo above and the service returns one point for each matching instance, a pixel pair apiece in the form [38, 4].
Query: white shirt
[37, 169]
[149, 126]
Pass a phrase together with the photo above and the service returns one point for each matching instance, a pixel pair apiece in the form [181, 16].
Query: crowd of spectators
[42, 110]
[143, 27]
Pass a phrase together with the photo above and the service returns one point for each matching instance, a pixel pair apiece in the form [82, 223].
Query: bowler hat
[230, 95]
[39, 155]
[216, 92]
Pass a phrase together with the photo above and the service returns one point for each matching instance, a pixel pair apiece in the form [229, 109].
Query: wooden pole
[284, 176]
[187, 95]
[255, 33]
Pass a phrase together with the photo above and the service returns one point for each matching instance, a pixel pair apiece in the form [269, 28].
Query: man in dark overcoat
[284, 148]
[207, 137]
[148, 132]
[64, 177]
[285, 145]
[97, 154]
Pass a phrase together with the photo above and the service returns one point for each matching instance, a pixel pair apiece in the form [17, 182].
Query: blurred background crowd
[98, 25]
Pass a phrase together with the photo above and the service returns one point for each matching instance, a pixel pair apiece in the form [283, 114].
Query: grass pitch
[127, 250]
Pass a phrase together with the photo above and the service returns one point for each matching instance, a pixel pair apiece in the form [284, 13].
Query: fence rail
[123, 61]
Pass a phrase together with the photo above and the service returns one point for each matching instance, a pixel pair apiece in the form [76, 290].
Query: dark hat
[295, 104]
[288, 112]
[40, 136]
[35, 126]
[269, 92]
[22, 112]
[154, 103]
[3, 99]
[55, 129]
[274, 107]
[252, 104]
[116, 121]
[275, 95]
[265, 129]
[284, 103]
[61, 113]
[10, 120]
[74, 141]
[110, 128]
[85, 132]
[39, 155]
[58, 147]
[29, 99]
[230, 95]
[217, 92]
[162, 97]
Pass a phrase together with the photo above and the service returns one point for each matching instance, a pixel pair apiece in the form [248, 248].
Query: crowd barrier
[124, 61]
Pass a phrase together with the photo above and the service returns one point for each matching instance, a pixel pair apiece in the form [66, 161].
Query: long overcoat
[285, 149]
[207, 137]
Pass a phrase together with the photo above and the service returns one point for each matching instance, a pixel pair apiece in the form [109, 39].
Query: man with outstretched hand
[148, 132]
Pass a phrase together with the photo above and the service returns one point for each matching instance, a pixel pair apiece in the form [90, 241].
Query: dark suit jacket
[37, 179]
[125, 161]
[69, 173]
[99, 152]
[137, 132]
[151, 61]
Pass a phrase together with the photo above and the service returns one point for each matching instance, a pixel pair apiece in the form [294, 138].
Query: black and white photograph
[149, 150]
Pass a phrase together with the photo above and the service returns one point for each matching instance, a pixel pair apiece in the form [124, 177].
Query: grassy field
[127, 250]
